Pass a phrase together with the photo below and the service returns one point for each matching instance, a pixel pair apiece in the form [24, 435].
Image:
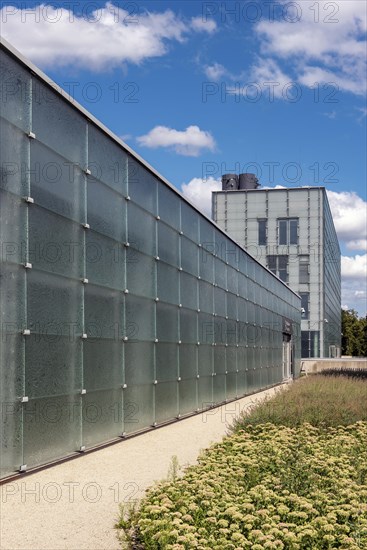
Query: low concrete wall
[312, 366]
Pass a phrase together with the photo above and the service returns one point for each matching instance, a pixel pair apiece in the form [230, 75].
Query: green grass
[292, 475]
[320, 400]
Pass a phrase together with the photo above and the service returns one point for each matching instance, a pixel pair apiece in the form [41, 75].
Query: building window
[288, 231]
[279, 266]
[310, 344]
[262, 231]
[304, 269]
[305, 308]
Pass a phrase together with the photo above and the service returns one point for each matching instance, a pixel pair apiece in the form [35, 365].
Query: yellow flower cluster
[266, 487]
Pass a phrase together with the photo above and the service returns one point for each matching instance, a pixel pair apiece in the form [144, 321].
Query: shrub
[266, 487]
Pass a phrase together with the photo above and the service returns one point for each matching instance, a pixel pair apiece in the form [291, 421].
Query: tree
[354, 330]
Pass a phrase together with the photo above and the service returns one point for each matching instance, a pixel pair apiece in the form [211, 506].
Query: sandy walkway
[74, 505]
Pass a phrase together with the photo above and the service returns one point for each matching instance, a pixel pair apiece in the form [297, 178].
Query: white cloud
[354, 295]
[354, 267]
[105, 39]
[199, 192]
[350, 218]
[215, 71]
[200, 25]
[273, 187]
[363, 115]
[358, 244]
[190, 142]
[326, 44]
[352, 82]
[331, 115]
[266, 71]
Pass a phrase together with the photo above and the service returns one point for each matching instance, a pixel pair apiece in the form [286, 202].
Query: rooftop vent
[248, 181]
[230, 182]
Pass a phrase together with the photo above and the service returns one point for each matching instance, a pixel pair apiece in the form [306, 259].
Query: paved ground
[74, 505]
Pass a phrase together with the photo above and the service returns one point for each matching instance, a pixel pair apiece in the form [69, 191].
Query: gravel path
[74, 505]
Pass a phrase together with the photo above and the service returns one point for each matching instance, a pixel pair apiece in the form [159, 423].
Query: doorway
[287, 356]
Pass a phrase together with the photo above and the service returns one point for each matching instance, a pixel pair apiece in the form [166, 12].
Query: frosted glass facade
[122, 307]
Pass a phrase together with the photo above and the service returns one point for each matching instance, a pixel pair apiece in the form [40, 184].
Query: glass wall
[122, 307]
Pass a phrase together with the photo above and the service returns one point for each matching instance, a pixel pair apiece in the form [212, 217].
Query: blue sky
[201, 88]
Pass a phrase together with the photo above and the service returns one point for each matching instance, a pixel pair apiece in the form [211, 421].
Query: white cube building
[291, 231]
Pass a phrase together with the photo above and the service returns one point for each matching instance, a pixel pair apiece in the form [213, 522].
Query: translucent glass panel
[220, 302]
[207, 328]
[12, 361]
[141, 275]
[11, 437]
[166, 389]
[168, 250]
[56, 244]
[107, 161]
[220, 273]
[190, 222]
[232, 306]
[188, 383]
[219, 378]
[54, 304]
[205, 380]
[102, 416]
[103, 363]
[50, 112]
[14, 168]
[138, 396]
[106, 211]
[105, 261]
[206, 265]
[207, 235]
[53, 365]
[142, 186]
[140, 318]
[167, 322]
[169, 206]
[56, 184]
[13, 228]
[189, 333]
[232, 280]
[221, 246]
[188, 291]
[167, 283]
[141, 230]
[15, 92]
[190, 254]
[206, 297]
[166, 401]
[51, 428]
[103, 313]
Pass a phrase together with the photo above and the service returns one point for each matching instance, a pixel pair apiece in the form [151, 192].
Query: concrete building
[290, 231]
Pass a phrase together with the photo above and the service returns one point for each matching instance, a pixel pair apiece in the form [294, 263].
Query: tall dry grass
[322, 401]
